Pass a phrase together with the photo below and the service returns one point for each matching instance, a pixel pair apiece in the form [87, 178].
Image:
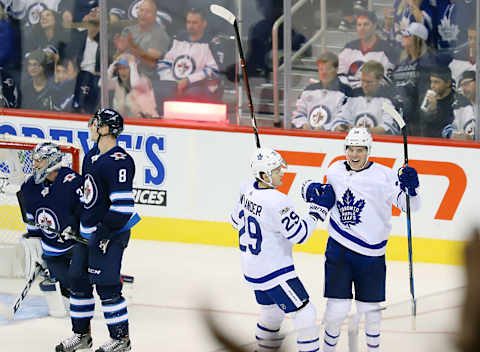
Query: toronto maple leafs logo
[350, 209]
[448, 30]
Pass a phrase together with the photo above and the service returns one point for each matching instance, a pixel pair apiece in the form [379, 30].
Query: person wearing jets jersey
[108, 215]
[269, 226]
[359, 226]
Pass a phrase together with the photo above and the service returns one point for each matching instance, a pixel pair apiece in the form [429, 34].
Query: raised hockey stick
[9, 312]
[21, 203]
[389, 109]
[230, 17]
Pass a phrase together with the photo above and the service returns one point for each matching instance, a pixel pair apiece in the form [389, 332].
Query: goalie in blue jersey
[52, 205]
[108, 215]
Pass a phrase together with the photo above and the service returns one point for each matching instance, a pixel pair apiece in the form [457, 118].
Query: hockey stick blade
[223, 13]
[389, 109]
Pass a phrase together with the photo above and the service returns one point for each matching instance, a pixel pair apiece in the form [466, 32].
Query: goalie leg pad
[33, 254]
[267, 332]
[335, 313]
[52, 292]
[373, 318]
[305, 321]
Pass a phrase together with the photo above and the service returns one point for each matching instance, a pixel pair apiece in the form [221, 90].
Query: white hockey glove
[33, 254]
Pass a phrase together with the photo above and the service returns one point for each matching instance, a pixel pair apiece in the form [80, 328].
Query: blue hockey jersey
[56, 205]
[107, 188]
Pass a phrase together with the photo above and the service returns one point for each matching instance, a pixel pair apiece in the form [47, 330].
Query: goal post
[16, 165]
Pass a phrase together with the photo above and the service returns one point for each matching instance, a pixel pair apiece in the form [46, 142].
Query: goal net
[16, 165]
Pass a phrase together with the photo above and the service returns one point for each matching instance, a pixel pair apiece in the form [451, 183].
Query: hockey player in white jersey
[358, 230]
[269, 226]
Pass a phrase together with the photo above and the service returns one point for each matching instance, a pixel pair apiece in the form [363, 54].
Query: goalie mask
[51, 152]
[359, 137]
[264, 160]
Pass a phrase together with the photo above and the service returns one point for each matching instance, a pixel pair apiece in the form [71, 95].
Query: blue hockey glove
[102, 234]
[310, 189]
[323, 202]
[318, 212]
[408, 178]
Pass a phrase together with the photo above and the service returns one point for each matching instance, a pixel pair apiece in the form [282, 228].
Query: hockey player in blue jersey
[107, 217]
[359, 226]
[52, 201]
[269, 227]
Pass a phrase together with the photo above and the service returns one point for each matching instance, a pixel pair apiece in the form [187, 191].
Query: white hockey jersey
[362, 111]
[458, 66]
[361, 217]
[268, 228]
[187, 59]
[464, 122]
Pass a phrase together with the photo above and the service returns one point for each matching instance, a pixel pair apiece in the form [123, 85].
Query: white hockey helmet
[359, 137]
[51, 152]
[264, 160]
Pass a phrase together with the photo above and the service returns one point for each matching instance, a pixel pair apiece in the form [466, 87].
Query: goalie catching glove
[320, 197]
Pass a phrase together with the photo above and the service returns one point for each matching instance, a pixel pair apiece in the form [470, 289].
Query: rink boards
[188, 175]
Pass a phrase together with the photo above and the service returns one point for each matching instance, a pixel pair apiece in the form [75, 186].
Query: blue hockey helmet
[51, 152]
[110, 118]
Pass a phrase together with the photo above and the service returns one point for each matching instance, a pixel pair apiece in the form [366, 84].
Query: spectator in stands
[368, 46]
[189, 69]
[442, 107]
[63, 88]
[76, 10]
[146, 40]
[133, 94]
[365, 109]
[36, 88]
[7, 38]
[48, 35]
[87, 92]
[8, 90]
[405, 12]
[464, 124]
[465, 59]
[412, 76]
[452, 19]
[320, 103]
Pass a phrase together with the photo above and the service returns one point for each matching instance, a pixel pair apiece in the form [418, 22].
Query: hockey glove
[317, 211]
[326, 196]
[408, 178]
[310, 189]
[101, 235]
[67, 234]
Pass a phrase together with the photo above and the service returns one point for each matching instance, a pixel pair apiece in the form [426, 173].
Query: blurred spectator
[453, 18]
[87, 92]
[36, 88]
[29, 10]
[63, 87]
[7, 38]
[260, 38]
[8, 90]
[146, 40]
[14, 9]
[133, 94]
[368, 46]
[320, 103]
[189, 68]
[76, 10]
[465, 59]
[348, 10]
[48, 35]
[405, 12]
[443, 106]
[412, 75]
[464, 124]
[365, 109]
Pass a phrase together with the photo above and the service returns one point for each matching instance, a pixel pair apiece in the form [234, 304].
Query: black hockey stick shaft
[229, 17]
[23, 209]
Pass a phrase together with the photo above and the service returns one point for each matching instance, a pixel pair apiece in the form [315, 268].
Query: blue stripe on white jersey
[273, 279]
[298, 234]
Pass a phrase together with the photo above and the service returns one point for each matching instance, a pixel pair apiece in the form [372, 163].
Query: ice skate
[115, 345]
[78, 342]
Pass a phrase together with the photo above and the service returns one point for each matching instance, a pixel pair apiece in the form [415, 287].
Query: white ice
[175, 283]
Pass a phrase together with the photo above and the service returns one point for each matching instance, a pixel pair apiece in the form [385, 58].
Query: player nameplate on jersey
[350, 210]
[150, 196]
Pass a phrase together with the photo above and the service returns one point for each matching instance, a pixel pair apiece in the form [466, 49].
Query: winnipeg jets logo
[350, 209]
[33, 12]
[44, 192]
[47, 220]
[470, 128]
[366, 120]
[183, 66]
[319, 116]
[85, 90]
[118, 156]
[69, 178]
[90, 192]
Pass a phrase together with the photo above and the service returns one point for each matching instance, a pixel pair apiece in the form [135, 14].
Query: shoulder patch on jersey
[95, 157]
[284, 211]
[118, 156]
[69, 177]
[349, 209]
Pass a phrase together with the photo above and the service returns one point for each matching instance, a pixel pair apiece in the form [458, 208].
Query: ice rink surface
[176, 283]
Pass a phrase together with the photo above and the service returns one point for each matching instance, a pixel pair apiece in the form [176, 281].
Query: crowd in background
[419, 56]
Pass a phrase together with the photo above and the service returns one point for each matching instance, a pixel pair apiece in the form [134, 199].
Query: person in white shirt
[269, 226]
[359, 226]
